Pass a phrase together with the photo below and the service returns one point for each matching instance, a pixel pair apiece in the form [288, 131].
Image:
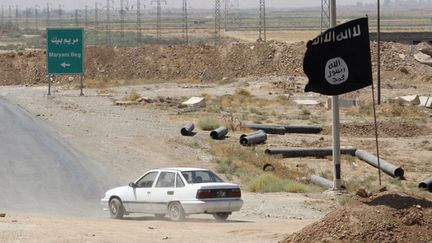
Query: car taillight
[201, 193]
[235, 192]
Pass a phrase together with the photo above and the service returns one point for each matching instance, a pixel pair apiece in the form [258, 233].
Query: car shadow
[186, 220]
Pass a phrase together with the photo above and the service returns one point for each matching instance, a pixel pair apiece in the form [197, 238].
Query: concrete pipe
[269, 129]
[254, 138]
[426, 184]
[321, 181]
[306, 152]
[303, 129]
[392, 170]
[219, 133]
[187, 129]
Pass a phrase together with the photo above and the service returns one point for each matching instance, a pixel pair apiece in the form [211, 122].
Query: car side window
[179, 181]
[147, 180]
[166, 179]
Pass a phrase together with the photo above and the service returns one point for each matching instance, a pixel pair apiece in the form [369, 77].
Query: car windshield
[200, 176]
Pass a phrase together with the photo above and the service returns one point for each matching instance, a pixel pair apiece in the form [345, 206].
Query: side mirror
[133, 185]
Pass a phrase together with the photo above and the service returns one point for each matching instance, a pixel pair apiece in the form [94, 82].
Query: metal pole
[16, 16]
[217, 22]
[48, 16]
[185, 22]
[335, 126]
[49, 84]
[96, 23]
[122, 20]
[37, 18]
[76, 18]
[81, 84]
[378, 53]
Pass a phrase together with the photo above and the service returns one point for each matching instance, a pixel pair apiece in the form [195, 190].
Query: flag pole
[335, 126]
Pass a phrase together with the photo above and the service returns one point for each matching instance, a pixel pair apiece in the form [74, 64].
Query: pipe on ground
[253, 138]
[426, 184]
[255, 132]
[269, 129]
[303, 129]
[308, 152]
[187, 129]
[321, 181]
[392, 170]
[219, 133]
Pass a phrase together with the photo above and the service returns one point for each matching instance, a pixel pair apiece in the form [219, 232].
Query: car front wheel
[176, 211]
[116, 208]
[221, 216]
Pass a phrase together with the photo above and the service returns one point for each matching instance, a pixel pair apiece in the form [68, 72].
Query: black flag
[338, 61]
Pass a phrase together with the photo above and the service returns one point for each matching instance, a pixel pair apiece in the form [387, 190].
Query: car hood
[119, 191]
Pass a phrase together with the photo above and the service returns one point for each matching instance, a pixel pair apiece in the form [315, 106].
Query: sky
[72, 4]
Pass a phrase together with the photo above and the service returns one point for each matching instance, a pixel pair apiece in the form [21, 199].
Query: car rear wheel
[176, 211]
[116, 208]
[221, 216]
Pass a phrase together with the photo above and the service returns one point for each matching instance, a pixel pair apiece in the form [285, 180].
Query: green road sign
[65, 51]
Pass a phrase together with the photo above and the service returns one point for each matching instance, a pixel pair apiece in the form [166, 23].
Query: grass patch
[268, 182]
[208, 124]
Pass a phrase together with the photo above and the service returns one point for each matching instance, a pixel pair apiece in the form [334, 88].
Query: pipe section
[308, 152]
[253, 138]
[269, 129]
[426, 184]
[392, 170]
[187, 129]
[303, 129]
[219, 133]
[321, 181]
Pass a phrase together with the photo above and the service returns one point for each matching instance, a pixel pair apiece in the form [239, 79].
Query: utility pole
[185, 22]
[262, 22]
[217, 20]
[36, 17]
[122, 20]
[48, 15]
[96, 22]
[16, 16]
[86, 17]
[10, 17]
[108, 34]
[379, 53]
[60, 13]
[139, 35]
[2, 17]
[158, 19]
[226, 13]
[26, 27]
[76, 18]
[325, 15]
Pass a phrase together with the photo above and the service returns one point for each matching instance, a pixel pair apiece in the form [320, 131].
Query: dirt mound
[387, 129]
[387, 217]
[194, 62]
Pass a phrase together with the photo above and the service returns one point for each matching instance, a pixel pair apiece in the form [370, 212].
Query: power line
[139, 34]
[158, 18]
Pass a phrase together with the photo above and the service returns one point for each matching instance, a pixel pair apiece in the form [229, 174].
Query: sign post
[65, 53]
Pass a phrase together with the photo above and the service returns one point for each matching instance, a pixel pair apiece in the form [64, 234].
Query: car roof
[181, 169]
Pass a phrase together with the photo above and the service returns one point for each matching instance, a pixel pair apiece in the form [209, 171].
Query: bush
[133, 95]
[208, 124]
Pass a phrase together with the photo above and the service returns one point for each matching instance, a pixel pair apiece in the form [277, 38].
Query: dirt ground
[128, 140]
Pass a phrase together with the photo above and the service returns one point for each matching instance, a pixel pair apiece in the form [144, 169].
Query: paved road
[40, 173]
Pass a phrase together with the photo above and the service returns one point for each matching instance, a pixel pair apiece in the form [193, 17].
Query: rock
[363, 193]
[2, 215]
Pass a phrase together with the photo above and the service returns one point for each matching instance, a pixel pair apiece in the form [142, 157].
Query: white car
[177, 192]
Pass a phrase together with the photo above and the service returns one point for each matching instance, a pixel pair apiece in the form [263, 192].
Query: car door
[139, 200]
[163, 192]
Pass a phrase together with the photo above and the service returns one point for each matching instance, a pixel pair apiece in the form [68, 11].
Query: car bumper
[211, 206]
[104, 203]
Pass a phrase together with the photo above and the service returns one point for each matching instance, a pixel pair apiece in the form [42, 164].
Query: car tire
[221, 216]
[176, 211]
[116, 208]
[160, 216]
